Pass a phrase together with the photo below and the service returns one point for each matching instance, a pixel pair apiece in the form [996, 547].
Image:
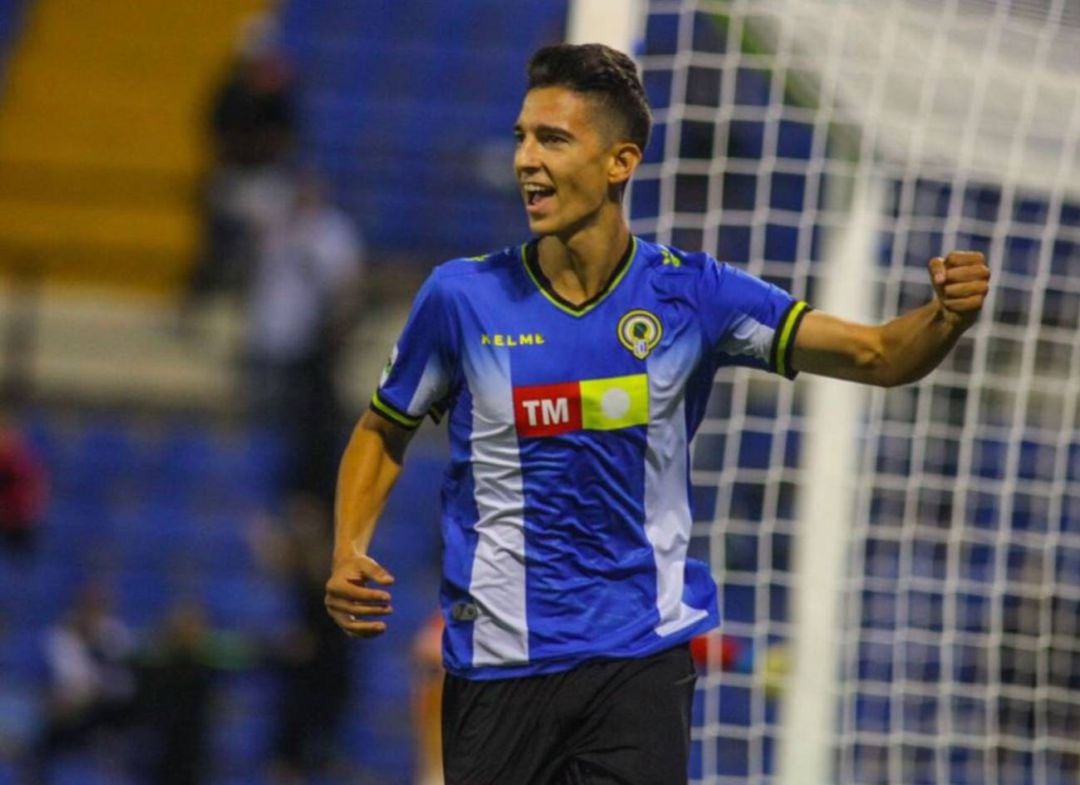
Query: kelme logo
[639, 331]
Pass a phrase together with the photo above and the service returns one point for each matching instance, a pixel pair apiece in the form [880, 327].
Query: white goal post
[900, 570]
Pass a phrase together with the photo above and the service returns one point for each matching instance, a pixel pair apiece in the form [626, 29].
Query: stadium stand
[99, 147]
[396, 124]
[165, 513]
[416, 131]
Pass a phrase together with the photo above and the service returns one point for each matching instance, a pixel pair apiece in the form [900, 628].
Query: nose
[525, 156]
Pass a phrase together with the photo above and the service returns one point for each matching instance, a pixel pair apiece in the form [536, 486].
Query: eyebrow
[544, 128]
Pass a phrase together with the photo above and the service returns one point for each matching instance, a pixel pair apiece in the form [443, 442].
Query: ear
[625, 157]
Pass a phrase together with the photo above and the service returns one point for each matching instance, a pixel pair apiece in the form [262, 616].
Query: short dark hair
[602, 73]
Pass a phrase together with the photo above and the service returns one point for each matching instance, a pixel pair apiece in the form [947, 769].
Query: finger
[937, 271]
[358, 591]
[357, 608]
[369, 568]
[964, 258]
[965, 304]
[354, 589]
[359, 627]
[968, 289]
[971, 272]
[364, 628]
[376, 572]
[351, 622]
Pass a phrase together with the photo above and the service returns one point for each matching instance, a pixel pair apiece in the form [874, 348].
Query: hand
[349, 600]
[961, 281]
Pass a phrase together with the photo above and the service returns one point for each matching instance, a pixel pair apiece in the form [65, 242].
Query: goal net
[900, 570]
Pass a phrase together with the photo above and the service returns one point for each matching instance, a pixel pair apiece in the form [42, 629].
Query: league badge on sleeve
[389, 366]
[639, 331]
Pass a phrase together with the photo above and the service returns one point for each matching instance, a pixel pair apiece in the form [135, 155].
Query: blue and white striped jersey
[566, 504]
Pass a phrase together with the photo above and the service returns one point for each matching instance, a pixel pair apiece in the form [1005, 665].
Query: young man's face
[566, 161]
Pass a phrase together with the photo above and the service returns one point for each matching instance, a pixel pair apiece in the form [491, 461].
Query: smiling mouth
[536, 195]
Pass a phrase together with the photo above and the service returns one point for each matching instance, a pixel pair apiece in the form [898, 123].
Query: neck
[580, 265]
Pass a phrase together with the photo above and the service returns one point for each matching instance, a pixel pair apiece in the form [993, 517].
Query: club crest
[639, 331]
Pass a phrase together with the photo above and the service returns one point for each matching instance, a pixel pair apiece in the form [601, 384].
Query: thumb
[377, 572]
[937, 274]
[369, 568]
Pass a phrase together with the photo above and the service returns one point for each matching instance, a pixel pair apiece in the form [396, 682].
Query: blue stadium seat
[30, 597]
[75, 526]
[365, 82]
[45, 437]
[11, 18]
[242, 734]
[732, 757]
[662, 34]
[21, 659]
[738, 603]
[144, 596]
[186, 454]
[248, 604]
[108, 454]
[754, 449]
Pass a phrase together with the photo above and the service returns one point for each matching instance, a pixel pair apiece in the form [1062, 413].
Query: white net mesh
[961, 642]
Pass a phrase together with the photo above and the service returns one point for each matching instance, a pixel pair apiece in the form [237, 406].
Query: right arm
[369, 468]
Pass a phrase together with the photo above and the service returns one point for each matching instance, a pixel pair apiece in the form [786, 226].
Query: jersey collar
[532, 266]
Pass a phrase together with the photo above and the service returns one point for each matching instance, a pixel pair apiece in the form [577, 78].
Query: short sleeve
[748, 321]
[416, 380]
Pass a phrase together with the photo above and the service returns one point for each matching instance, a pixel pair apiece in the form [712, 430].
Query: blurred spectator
[176, 689]
[252, 127]
[91, 682]
[253, 121]
[314, 658]
[23, 489]
[178, 673]
[304, 299]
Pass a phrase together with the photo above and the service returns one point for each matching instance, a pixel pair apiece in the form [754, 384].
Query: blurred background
[212, 219]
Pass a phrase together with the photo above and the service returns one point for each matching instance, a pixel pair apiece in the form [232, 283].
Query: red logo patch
[547, 409]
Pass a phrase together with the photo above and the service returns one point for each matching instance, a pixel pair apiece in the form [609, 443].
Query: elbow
[882, 368]
[873, 367]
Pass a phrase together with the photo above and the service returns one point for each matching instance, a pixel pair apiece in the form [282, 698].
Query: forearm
[900, 351]
[906, 348]
[914, 343]
[369, 468]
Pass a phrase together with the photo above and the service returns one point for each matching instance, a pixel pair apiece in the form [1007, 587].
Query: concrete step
[96, 348]
[102, 136]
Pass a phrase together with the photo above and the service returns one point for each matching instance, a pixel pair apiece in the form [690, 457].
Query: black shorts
[615, 722]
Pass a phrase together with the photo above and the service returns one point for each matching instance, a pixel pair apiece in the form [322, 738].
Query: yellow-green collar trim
[545, 287]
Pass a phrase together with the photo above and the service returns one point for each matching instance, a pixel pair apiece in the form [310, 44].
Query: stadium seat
[351, 57]
[248, 604]
[738, 603]
[242, 735]
[144, 596]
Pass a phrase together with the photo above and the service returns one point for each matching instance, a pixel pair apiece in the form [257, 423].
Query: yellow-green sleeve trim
[785, 339]
[393, 415]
